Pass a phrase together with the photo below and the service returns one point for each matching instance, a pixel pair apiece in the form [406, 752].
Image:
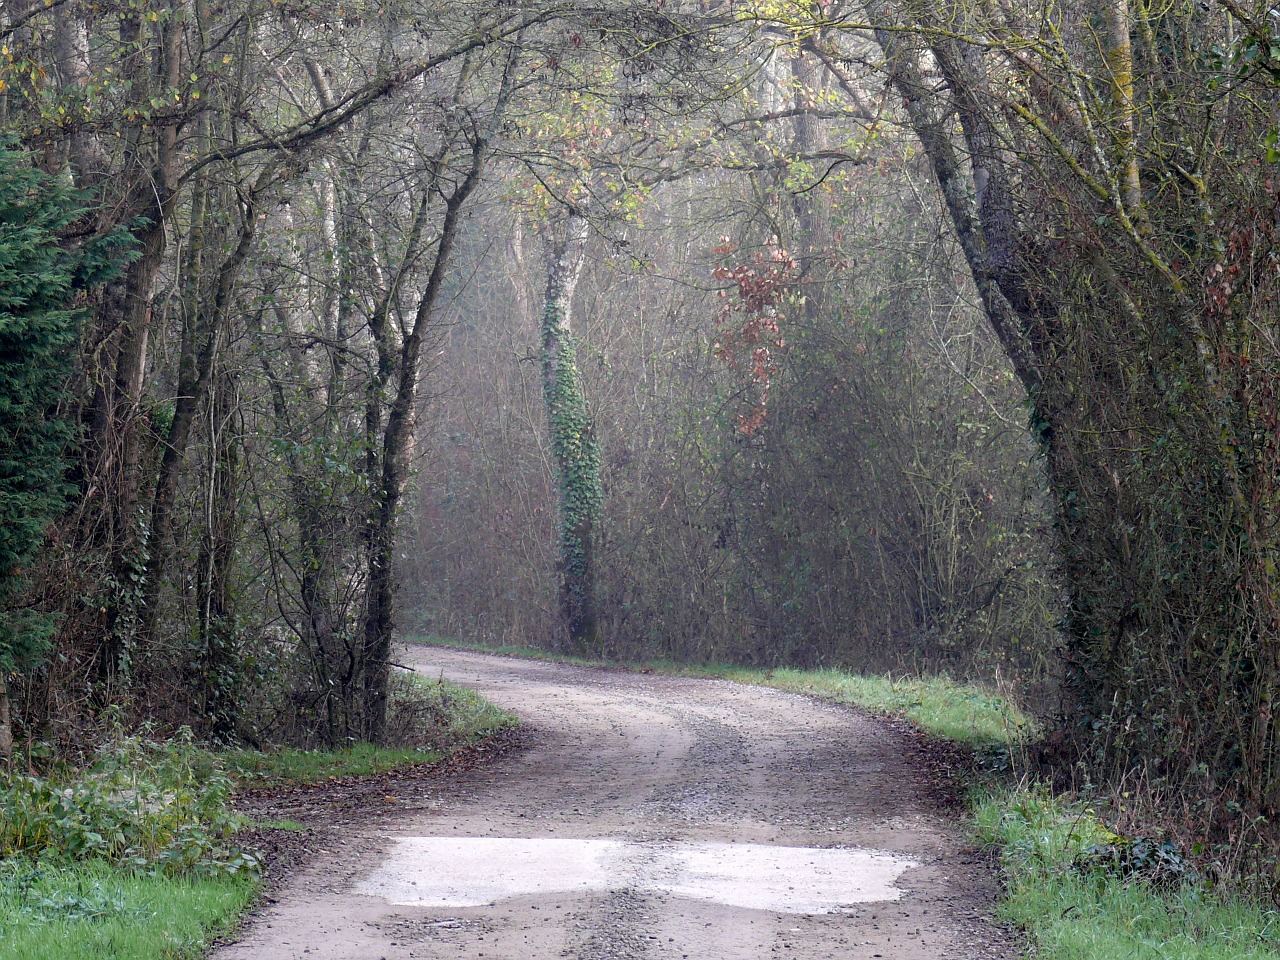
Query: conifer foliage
[41, 279]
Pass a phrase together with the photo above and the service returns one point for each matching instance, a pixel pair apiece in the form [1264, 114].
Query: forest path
[651, 818]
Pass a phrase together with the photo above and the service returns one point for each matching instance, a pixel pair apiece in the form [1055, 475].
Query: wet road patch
[473, 871]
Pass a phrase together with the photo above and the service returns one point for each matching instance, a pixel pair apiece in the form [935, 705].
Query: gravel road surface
[651, 818]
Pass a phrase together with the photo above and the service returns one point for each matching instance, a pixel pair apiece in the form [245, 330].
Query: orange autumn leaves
[749, 325]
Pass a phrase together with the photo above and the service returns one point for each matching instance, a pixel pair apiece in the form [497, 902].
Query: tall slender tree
[574, 447]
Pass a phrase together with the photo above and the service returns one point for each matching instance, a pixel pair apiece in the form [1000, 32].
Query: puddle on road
[473, 871]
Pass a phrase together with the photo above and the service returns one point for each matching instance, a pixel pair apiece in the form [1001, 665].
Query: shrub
[154, 806]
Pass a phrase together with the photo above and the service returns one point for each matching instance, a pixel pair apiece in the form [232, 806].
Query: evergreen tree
[41, 278]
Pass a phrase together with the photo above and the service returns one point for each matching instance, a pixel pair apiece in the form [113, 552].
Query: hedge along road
[651, 817]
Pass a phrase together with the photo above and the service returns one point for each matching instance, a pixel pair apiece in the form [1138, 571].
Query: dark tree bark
[200, 345]
[6, 726]
[220, 671]
[393, 473]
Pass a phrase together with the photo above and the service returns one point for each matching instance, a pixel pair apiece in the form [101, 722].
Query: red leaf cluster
[749, 326]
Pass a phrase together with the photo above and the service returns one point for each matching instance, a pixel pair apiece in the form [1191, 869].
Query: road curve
[652, 818]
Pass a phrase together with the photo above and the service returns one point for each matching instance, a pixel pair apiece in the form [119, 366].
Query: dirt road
[652, 818]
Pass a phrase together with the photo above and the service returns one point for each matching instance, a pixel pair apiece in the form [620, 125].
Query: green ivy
[576, 454]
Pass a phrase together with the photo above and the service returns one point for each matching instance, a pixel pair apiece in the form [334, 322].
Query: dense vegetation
[930, 336]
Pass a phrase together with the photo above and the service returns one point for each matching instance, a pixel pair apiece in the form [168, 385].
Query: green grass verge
[461, 716]
[96, 909]
[285, 765]
[58, 902]
[470, 716]
[1074, 901]
[961, 712]
[1078, 908]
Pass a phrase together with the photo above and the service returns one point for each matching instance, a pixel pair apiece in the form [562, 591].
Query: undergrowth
[151, 806]
[1085, 893]
[134, 856]
[431, 718]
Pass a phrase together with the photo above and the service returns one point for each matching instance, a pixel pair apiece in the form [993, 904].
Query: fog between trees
[929, 336]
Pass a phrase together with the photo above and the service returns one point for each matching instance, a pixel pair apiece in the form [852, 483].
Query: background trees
[810, 266]
[877, 510]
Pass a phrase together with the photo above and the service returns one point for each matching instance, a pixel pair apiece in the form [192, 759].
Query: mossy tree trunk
[1129, 307]
[573, 443]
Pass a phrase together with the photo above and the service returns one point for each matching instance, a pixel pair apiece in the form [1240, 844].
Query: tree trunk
[6, 727]
[195, 372]
[332, 661]
[379, 622]
[387, 491]
[220, 672]
[573, 444]
[86, 158]
[115, 451]
[116, 468]
[812, 207]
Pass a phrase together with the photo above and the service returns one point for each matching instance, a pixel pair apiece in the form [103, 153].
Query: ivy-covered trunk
[221, 673]
[573, 443]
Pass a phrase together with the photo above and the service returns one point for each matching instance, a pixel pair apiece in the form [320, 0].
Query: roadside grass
[455, 716]
[967, 714]
[98, 909]
[135, 856]
[280, 766]
[1083, 894]
[1080, 891]
[470, 717]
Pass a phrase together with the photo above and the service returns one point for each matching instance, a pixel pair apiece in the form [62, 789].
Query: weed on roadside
[142, 804]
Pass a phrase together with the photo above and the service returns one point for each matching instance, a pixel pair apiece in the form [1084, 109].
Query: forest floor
[633, 817]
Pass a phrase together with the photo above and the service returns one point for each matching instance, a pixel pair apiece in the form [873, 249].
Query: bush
[153, 806]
